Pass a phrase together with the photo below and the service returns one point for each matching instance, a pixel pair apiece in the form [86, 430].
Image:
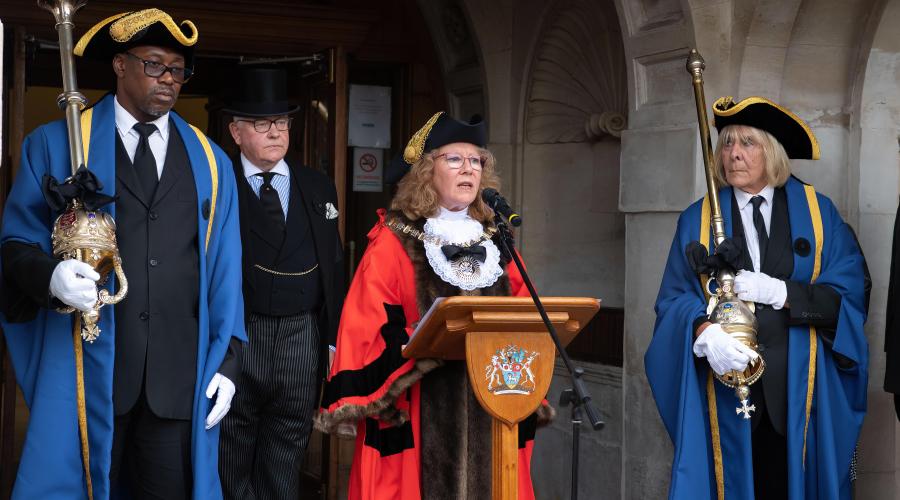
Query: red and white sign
[368, 166]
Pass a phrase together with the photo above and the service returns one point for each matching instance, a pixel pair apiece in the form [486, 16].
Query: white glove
[724, 352]
[760, 288]
[75, 284]
[224, 391]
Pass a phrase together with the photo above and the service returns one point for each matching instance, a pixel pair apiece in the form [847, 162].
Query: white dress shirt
[158, 140]
[281, 181]
[746, 208]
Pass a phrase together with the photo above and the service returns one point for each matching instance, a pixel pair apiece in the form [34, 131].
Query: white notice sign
[368, 169]
[370, 116]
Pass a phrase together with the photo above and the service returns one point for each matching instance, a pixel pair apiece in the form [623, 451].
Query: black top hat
[261, 92]
[120, 32]
[441, 129]
[758, 112]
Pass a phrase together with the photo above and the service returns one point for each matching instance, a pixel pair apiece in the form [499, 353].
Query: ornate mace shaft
[734, 315]
[71, 100]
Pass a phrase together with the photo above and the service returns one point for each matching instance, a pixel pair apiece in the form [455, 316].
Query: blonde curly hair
[417, 198]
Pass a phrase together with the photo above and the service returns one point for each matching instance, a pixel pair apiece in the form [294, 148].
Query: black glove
[728, 254]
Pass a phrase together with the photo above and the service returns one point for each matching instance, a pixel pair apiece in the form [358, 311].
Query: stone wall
[600, 451]
[876, 126]
[660, 175]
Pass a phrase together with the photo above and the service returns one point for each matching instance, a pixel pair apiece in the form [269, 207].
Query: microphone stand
[577, 397]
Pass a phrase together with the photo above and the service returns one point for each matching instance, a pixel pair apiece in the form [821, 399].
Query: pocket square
[330, 211]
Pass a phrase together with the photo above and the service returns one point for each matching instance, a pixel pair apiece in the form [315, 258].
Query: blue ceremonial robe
[713, 455]
[42, 350]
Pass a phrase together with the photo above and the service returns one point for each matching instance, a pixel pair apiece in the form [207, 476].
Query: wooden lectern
[510, 358]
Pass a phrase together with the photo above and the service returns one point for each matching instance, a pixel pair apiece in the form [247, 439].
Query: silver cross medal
[745, 409]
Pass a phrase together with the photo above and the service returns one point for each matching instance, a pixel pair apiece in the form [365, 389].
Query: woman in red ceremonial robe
[420, 432]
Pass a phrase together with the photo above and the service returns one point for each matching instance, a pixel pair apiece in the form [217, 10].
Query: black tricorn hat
[758, 112]
[441, 129]
[120, 32]
[261, 92]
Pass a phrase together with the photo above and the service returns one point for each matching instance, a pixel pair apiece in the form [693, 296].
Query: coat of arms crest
[509, 371]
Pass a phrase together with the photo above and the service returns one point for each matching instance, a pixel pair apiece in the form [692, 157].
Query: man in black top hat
[293, 290]
[159, 377]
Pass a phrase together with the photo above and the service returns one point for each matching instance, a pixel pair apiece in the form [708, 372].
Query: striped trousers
[264, 436]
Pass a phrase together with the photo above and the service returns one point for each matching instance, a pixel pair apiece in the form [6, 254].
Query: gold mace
[734, 315]
[86, 235]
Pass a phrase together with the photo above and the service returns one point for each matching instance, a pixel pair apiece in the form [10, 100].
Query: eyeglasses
[156, 69]
[262, 125]
[455, 161]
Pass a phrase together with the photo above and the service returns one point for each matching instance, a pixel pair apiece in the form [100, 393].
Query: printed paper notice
[370, 116]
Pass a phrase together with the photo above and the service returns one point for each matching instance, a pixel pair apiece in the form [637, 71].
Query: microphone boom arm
[578, 396]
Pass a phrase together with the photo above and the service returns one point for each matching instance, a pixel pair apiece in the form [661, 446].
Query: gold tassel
[82, 406]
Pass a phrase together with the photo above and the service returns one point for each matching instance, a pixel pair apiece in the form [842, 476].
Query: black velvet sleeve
[26, 280]
[698, 322]
[815, 305]
[231, 365]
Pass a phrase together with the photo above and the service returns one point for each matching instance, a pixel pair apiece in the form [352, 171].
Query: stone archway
[575, 110]
[457, 50]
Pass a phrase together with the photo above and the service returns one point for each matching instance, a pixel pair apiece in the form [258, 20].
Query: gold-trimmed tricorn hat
[120, 32]
[441, 129]
[793, 133]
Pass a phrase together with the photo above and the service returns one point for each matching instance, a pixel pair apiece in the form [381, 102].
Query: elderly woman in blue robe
[799, 262]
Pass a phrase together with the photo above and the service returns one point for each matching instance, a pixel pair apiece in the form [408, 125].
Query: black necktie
[760, 226]
[270, 200]
[144, 162]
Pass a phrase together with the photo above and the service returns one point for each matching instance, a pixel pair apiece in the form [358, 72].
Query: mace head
[695, 63]
[63, 10]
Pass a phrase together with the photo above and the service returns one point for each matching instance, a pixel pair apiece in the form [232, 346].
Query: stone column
[877, 129]
[661, 174]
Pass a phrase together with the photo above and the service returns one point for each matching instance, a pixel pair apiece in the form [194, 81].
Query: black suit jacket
[317, 190]
[157, 323]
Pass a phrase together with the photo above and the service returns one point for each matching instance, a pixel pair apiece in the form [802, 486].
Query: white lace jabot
[458, 228]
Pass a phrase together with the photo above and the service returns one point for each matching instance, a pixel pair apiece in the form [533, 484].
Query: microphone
[499, 205]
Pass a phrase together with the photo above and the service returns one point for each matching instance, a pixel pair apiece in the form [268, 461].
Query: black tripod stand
[577, 397]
